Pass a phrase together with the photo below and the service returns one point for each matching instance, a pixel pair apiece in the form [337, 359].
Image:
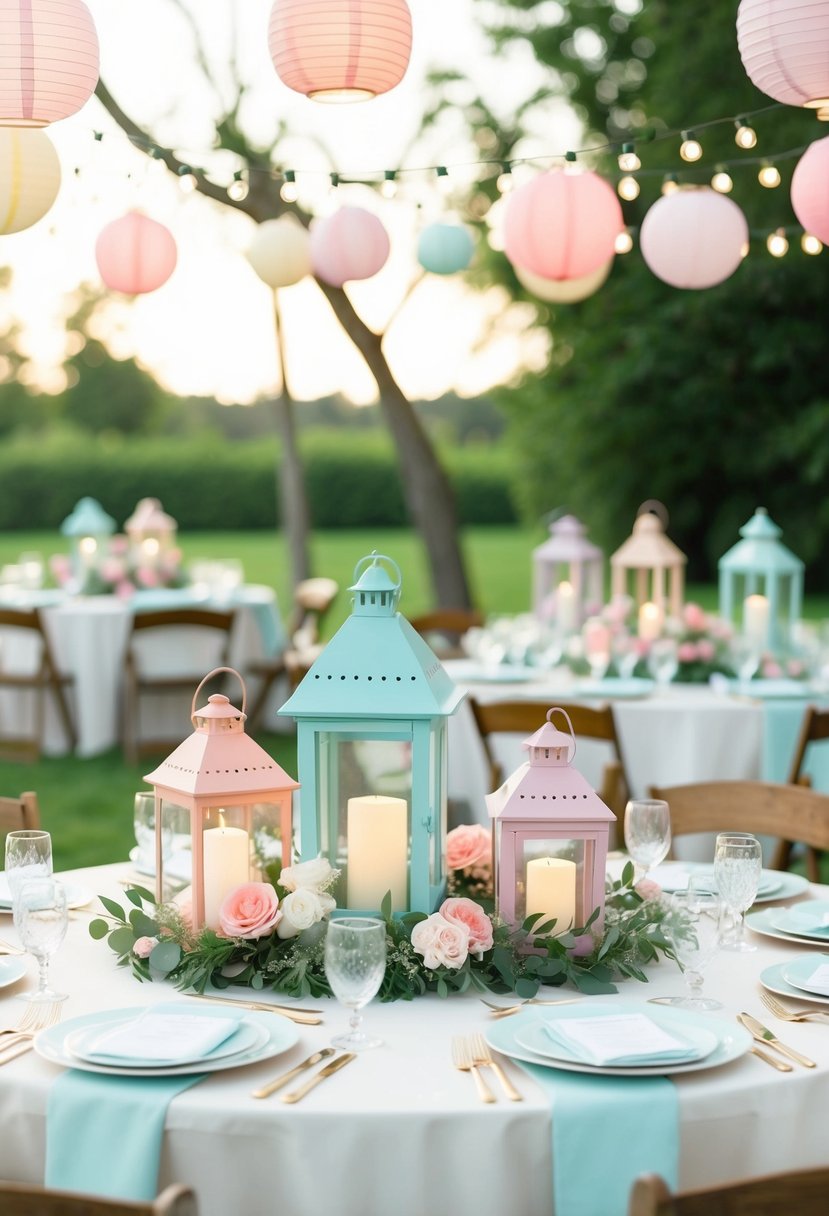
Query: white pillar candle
[378, 851]
[87, 548]
[226, 865]
[756, 620]
[651, 620]
[149, 550]
[566, 607]
[551, 890]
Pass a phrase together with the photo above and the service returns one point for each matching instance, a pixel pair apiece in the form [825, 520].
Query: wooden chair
[23, 1199]
[313, 598]
[19, 814]
[45, 680]
[814, 729]
[176, 680]
[525, 717]
[793, 813]
[444, 628]
[801, 1193]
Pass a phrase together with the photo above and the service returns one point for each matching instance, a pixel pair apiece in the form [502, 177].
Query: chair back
[814, 729]
[444, 628]
[29, 664]
[208, 640]
[23, 1199]
[19, 814]
[801, 1193]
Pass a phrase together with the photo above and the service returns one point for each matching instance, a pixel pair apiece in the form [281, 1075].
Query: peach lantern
[562, 225]
[693, 237]
[135, 254]
[49, 65]
[350, 244]
[280, 252]
[784, 46]
[809, 190]
[29, 177]
[656, 564]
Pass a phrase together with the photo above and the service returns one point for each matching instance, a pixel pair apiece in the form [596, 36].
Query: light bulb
[810, 244]
[238, 188]
[624, 241]
[745, 136]
[628, 188]
[629, 162]
[777, 244]
[745, 249]
[504, 181]
[721, 181]
[690, 149]
[288, 191]
[769, 177]
[389, 186]
[669, 183]
[187, 179]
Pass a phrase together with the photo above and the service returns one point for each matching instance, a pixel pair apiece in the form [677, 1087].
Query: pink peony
[694, 618]
[770, 669]
[251, 910]
[687, 652]
[468, 845]
[144, 946]
[124, 590]
[706, 650]
[466, 912]
[145, 576]
[646, 888]
[442, 942]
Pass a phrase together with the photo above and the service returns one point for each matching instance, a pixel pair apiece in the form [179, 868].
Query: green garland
[634, 937]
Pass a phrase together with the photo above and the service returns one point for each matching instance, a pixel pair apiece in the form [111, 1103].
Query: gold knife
[780, 1065]
[329, 1070]
[762, 1035]
[265, 1091]
[305, 1017]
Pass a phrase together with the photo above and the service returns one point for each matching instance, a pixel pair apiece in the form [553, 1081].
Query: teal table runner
[781, 726]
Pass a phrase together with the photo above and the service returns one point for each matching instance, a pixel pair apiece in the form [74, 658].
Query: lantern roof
[88, 519]
[149, 517]
[376, 664]
[567, 542]
[760, 550]
[648, 547]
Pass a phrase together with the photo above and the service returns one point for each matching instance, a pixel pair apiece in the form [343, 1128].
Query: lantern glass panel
[549, 878]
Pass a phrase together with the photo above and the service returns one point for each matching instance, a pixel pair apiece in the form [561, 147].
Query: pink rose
[251, 910]
[466, 912]
[144, 946]
[111, 570]
[646, 888]
[119, 543]
[694, 618]
[468, 845]
[770, 669]
[687, 652]
[145, 576]
[706, 650]
[441, 942]
[796, 669]
[124, 590]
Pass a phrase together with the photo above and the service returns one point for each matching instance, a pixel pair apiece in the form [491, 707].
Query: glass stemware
[41, 920]
[28, 855]
[355, 963]
[663, 661]
[647, 833]
[693, 928]
[738, 860]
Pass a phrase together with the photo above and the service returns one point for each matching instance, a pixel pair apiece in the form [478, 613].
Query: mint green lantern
[89, 529]
[761, 584]
[371, 718]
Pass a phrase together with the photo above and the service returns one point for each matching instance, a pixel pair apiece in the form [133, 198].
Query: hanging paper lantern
[693, 237]
[135, 254]
[784, 46]
[810, 189]
[445, 248]
[340, 50]
[29, 177]
[49, 60]
[280, 252]
[562, 225]
[563, 291]
[350, 244]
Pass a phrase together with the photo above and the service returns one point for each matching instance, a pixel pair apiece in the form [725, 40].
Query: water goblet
[738, 860]
[355, 963]
[42, 918]
[663, 661]
[647, 833]
[28, 855]
[693, 929]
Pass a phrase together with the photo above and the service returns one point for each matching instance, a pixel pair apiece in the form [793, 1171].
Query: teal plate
[774, 980]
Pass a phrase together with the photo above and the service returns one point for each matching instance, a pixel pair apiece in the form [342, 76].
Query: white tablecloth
[400, 1130]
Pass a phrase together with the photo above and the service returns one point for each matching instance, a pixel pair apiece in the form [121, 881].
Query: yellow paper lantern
[29, 177]
[280, 252]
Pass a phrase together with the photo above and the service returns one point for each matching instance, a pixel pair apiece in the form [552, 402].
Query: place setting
[805, 923]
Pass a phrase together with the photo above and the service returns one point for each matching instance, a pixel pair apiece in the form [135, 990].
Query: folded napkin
[814, 921]
[627, 1039]
[818, 981]
[167, 1038]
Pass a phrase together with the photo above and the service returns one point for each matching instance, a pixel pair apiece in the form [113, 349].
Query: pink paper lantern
[694, 237]
[280, 252]
[350, 244]
[810, 189]
[340, 50]
[29, 177]
[563, 291]
[784, 46]
[562, 225]
[135, 254]
[49, 60]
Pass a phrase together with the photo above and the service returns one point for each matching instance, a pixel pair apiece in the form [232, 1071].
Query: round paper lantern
[562, 225]
[340, 50]
[810, 189]
[29, 177]
[445, 248]
[280, 252]
[694, 237]
[784, 46]
[135, 254]
[49, 60]
[563, 291]
[350, 244]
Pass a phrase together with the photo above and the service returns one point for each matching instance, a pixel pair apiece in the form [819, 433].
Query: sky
[209, 330]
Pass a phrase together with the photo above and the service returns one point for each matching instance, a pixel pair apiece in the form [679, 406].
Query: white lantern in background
[280, 252]
[693, 238]
[29, 177]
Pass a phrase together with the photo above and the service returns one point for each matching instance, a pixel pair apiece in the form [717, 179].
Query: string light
[187, 179]
[745, 136]
[690, 149]
[669, 183]
[628, 188]
[624, 241]
[238, 190]
[777, 244]
[504, 182]
[810, 244]
[334, 179]
[157, 161]
[288, 191]
[444, 184]
[629, 162]
[769, 176]
[389, 186]
[721, 181]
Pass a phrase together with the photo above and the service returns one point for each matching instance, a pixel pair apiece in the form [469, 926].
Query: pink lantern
[29, 177]
[340, 50]
[350, 244]
[135, 254]
[784, 46]
[563, 291]
[562, 225]
[693, 237]
[49, 63]
[280, 252]
[810, 189]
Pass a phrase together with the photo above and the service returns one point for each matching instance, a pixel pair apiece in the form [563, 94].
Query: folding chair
[21, 630]
[444, 628]
[21, 1199]
[801, 1193]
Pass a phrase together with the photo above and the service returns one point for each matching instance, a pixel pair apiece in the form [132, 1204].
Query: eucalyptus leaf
[143, 925]
[113, 908]
[122, 939]
[98, 929]
[165, 957]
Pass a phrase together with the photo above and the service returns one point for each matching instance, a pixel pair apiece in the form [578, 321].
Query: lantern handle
[557, 709]
[652, 506]
[216, 671]
[371, 559]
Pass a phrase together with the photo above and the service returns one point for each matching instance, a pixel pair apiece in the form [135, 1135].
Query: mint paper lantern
[445, 248]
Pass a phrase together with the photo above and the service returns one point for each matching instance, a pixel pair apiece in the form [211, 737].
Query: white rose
[300, 910]
[443, 943]
[316, 874]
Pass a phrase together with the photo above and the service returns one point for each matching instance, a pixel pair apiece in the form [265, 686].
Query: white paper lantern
[693, 238]
[563, 291]
[784, 46]
[280, 252]
[29, 177]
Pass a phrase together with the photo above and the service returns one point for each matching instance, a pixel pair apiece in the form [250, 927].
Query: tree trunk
[294, 510]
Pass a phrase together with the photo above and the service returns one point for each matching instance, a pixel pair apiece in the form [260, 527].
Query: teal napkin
[104, 1133]
[606, 1132]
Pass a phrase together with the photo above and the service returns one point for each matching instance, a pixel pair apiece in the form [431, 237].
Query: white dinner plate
[52, 1044]
[245, 1037]
[76, 896]
[11, 970]
[733, 1041]
[763, 922]
[774, 980]
[798, 972]
[798, 921]
[700, 1043]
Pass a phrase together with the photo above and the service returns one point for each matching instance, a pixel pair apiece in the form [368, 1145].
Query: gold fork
[36, 1018]
[28, 1016]
[482, 1056]
[790, 1015]
[463, 1060]
[504, 1011]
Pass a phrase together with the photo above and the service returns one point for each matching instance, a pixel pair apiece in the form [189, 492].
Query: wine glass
[693, 928]
[738, 860]
[28, 855]
[355, 963]
[42, 918]
[663, 661]
[647, 833]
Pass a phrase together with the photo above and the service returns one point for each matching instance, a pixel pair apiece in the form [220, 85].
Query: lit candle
[650, 621]
[756, 620]
[378, 833]
[566, 607]
[87, 547]
[551, 890]
[149, 551]
[226, 865]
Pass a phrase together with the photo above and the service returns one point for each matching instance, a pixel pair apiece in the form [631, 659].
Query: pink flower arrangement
[447, 938]
[250, 911]
[466, 912]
